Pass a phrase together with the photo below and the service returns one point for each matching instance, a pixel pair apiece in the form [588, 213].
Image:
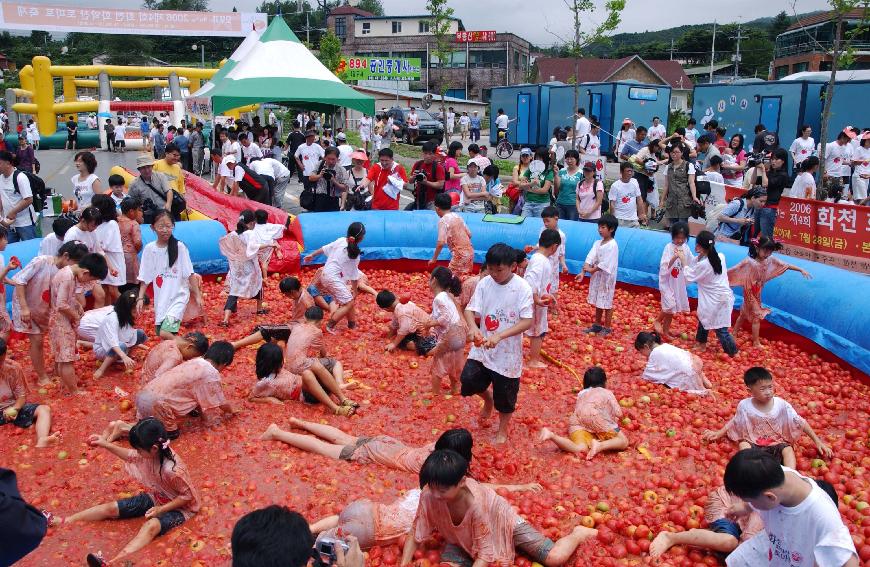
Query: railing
[815, 47]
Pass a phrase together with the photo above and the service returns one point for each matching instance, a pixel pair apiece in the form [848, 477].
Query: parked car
[430, 127]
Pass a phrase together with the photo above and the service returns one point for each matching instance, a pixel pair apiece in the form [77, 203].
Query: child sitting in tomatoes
[766, 421]
[407, 326]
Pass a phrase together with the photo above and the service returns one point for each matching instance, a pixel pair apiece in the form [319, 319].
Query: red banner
[475, 36]
[836, 234]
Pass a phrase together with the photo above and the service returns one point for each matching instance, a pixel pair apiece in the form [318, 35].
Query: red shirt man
[379, 173]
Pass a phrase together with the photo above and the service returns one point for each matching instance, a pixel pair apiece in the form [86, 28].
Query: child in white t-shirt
[539, 276]
[504, 303]
[601, 264]
[802, 525]
[804, 186]
[626, 200]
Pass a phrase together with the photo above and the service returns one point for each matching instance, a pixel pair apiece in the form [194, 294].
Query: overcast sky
[531, 19]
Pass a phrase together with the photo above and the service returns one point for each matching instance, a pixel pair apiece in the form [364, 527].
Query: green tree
[756, 54]
[373, 6]
[179, 5]
[780, 23]
[440, 20]
[651, 50]
[330, 51]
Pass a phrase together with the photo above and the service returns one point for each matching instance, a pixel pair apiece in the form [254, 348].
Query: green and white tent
[279, 68]
[234, 59]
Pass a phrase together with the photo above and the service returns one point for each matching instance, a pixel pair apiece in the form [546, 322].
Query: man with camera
[427, 179]
[329, 182]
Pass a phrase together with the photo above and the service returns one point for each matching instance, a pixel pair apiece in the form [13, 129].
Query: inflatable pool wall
[801, 306]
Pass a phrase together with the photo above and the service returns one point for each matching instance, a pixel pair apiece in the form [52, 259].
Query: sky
[538, 20]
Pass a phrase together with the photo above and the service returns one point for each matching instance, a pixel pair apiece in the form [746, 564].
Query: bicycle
[504, 149]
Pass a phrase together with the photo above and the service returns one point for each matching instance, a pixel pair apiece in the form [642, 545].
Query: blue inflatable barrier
[200, 237]
[801, 306]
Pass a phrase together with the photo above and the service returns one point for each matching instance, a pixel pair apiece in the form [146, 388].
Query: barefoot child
[166, 264]
[407, 325]
[85, 232]
[13, 402]
[752, 273]
[169, 499]
[306, 339]
[263, 239]
[131, 237]
[244, 278]
[31, 300]
[302, 300]
[342, 264]
[672, 280]
[594, 425]
[602, 264]
[800, 520]
[109, 237]
[450, 332]
[66, 310]
[539, 276]
[275, 384]
[671, 366]
[550, 217]
[715, 298]
[170, 353]
[453, 232]
[503, 302]
[477, 524]
[766, 421]
[118, 334]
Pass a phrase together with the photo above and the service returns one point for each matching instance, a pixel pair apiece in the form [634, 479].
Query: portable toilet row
[540, 108]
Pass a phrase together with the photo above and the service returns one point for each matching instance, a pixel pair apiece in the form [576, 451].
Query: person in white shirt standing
[345, 149]
[802, 525]
[861, 162]
[803, 146]
[838, 158]
[589, 147]
[250, 150]
[582, 127]
[16, 199]
[625, 135]
[626, 200]
[365, 134]
[308, 157]
[413, 123]
[657, 131]
[451, 122]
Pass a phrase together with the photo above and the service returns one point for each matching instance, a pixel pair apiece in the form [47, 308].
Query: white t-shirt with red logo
[807, 535]
[501, 307]
[837, 159]
[862, 156]
[171, 286]
[802, 149]
[624, 195]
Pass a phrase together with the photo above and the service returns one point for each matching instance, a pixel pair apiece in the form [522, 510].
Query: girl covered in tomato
[245, 275]
[169, 499]
[670, 365]
[602, 264]
[14, 408]
[31, 300]
[751, 274]
[594, 425]
[342, 264]
[672, 280]
[166, 264]
[108, 235]
[449, 328]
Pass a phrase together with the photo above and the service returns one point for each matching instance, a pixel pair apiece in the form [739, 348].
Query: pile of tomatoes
[660, 482]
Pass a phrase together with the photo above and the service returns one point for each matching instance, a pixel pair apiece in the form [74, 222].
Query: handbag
[306, 198]
[179, 204]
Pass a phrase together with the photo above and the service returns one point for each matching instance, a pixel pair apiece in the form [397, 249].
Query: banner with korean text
[57, 18]
[834, 234]
[379, 68]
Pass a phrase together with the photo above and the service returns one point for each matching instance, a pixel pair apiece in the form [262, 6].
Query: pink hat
[359, 155]
[627, 121]
[850, 131]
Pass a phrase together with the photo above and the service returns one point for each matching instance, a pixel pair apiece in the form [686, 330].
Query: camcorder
[325, 549]
[418, 176]
[328, 174]
[757, 158]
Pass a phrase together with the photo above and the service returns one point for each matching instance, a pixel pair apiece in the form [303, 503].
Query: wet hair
[270, 359]
[808, 164]
[385, 298]
[198, 341]
[647, 339]
[116, 180]
[151, 432]
[73, 249]
[610, 222]
[443, 468]
[273, 536]
[458, 440]
[764, 243]
[679, 228]
[755, 375]
[91, 214]
[95, 264]
[261, 216]
[220, 352]
[60, 225]
[549, 237]
[750, 472]
[707, 242]
[88, 159]
[245, 217]
[550, 212]
[4, 346]
[443, 201]
[172, 245]
[289, 284]
[124, 306]
[130, 204]
[446, 280]
[355, 233]
[491, 170]
[500, 254]
[107, 207]
[314, 313]
[594, 377]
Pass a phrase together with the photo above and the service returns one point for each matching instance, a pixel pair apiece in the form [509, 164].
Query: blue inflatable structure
[801, 306]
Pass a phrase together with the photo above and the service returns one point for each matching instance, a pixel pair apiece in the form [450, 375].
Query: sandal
[345, 411]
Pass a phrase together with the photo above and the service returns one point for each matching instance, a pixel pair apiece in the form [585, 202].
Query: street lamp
[195, 47]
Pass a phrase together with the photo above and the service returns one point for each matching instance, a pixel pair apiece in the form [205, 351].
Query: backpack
[37, 188]
[255, 187]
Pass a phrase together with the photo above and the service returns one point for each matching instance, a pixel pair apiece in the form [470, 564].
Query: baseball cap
[526, 152]
[340, 136]
[588, 166]
[228, 159]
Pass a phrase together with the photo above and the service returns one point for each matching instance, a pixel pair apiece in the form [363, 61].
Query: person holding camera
[426, 179]
[329, 182]
[738, 216]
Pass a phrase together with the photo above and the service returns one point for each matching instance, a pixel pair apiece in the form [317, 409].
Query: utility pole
[672, 49]
[713, 52]
[736, 57]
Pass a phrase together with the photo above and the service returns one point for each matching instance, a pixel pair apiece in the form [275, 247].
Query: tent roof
[279, 68]
[250, 41]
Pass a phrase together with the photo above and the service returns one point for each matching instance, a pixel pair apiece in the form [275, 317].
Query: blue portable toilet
[611, 103]
[849, 107]
[529, 105]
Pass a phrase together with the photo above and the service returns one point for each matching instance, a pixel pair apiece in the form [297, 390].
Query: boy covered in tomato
[407, 326]
[766, 421]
